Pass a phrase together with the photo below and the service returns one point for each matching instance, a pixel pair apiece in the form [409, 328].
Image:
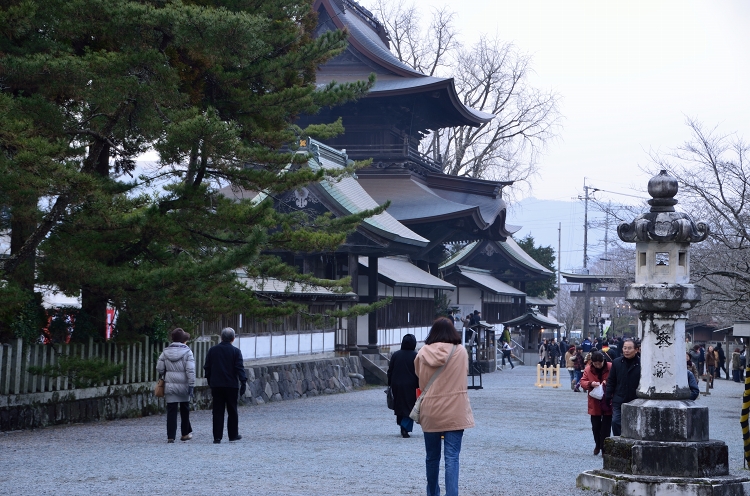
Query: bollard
[705, 377]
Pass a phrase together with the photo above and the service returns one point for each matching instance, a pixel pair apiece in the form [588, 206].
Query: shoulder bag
[389, 398]
[414, 415]
[159, 389]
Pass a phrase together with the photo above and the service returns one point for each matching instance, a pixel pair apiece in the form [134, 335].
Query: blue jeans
[432, 443]
[616, 419]
[578, 375]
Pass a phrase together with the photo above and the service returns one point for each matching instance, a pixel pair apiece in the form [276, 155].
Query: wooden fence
[139, 360]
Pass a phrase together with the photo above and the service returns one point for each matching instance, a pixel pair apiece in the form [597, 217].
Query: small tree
[714, 177]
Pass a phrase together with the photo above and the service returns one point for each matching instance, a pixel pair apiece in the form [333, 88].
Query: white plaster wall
[362, 322]
[253, 347]
[466, 297]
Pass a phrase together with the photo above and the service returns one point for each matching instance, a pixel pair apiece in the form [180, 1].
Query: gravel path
[345, 444]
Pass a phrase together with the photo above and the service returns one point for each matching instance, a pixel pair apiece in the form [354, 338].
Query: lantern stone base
[664, 459]
[618, 484]
[665, 420]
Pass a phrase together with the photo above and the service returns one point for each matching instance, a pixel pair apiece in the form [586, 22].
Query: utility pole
[559, 255]
[585, 199]
[587, 286]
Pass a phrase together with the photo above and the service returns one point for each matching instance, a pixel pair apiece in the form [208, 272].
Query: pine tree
[213, 87]
[545, 255]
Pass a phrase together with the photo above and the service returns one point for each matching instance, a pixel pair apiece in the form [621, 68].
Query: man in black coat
[622, 383]
[722, 361]
[404, 382]
[225, 371]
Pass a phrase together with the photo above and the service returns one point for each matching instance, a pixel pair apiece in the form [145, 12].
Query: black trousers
[600, 426]
[225, 399]
[185, 427]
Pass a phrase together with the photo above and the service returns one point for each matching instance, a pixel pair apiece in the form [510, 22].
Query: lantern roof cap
[662, 223]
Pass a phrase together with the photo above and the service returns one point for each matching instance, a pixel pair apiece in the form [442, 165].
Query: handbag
[389, 397]
[597, 393]
[159, 389]
[606, 406]
[414, 415]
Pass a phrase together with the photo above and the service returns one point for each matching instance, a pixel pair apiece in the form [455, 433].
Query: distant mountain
[541, 218]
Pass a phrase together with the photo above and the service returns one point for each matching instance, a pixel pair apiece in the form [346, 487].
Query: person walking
[721, 363]
[702, 360]
[404, 382]
[570, 363]
[543, 353]
[563, 350]
[736, 365]
[177, 365]
[694, 354]
[445, 411]
[578, 366]
[507, 353]
[711, 365]
[622, 384]
[596, 374]
[553, 353]
[225, 373]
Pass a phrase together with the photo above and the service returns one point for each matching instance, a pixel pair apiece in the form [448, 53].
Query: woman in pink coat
[596, 373]
[445, 411]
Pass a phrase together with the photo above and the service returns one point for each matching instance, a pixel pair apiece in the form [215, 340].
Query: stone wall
[265, 384]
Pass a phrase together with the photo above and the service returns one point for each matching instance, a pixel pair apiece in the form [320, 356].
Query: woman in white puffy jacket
[177, 365]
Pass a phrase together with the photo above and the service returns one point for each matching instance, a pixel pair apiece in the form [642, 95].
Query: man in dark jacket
[553, 353]
[225, 371]
[722, 365]
[622, 384]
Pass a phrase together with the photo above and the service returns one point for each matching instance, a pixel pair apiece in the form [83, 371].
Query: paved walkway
[527, 442]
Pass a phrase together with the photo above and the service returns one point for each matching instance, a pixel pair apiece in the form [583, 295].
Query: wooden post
[65, 351]
[52, 360]
[2, 382]
[147, 347]
[17, 366]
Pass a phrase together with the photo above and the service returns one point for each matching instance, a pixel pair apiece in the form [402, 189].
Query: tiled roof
[511, 248]
[348, 193]
[275, 286]
[459, 255]
[398, 271]
[541, 302]
[364, 38]
[489, 283]
[533, 318]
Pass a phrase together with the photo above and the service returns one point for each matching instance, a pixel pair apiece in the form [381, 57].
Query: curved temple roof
[533, 319]
[509, 247]
[348, 193]
[393, 76]
[473, 205]
[398, 271]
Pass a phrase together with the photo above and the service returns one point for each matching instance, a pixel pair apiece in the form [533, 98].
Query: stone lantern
[664, 447]
[662, 289]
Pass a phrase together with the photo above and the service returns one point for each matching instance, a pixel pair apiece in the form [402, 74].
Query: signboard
[741, 329]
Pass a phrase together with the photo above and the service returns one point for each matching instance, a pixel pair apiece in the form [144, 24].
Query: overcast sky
[629, 73]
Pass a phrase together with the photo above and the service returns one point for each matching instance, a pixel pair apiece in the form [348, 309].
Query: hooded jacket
[177, 364]
[445, 406]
